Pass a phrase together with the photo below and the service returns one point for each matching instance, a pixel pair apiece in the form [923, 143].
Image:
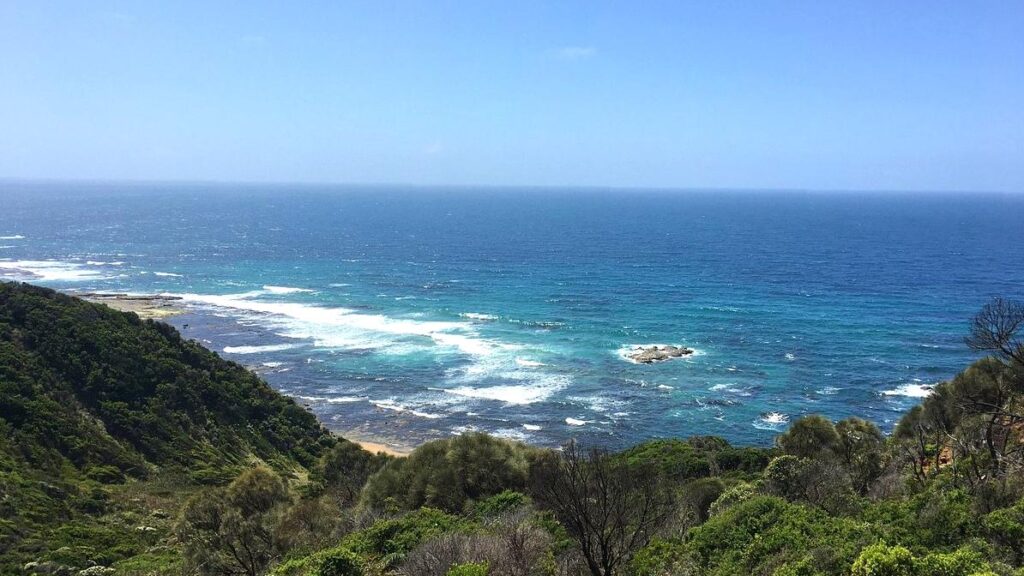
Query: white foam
[664, 387]
[575, 422]
[512, 393]
[344, 328]
[478, 316]
[48, 270]
[790, 356]
[492, 362]
[167, 274]
[100, 263]
[390, 404]
[12, 237]
[911, 391]
[771, 421]
[258, 349]
[531, 427]
[529, 363]
[510, 434]
[285, 289]
[331, 399]
[272, 364]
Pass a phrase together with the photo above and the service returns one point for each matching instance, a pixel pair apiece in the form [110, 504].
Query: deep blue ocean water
[405, 314]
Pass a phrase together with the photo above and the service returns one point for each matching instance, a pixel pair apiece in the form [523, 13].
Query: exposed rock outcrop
[655, 353]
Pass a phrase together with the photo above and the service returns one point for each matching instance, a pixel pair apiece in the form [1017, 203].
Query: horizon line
[505, 187]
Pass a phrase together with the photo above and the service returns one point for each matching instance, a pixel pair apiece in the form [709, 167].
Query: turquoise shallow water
[408, 314]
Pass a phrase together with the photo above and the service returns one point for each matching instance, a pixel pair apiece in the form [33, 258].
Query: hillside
[93, 398]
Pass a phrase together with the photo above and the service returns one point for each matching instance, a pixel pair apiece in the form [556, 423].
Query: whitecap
[331, 399]
[167, 274]
[511, 393]
[272, 364]
[575, 422]
[910, 391]
[285, 289]
[343, 327]
[258, 349]
[664, 387]
[790, 356]
[12, 237]
[478, 316]
[531, 427]
[390, 404]
[510, 434]
[48, 270]
[529, 363]
[771, 421]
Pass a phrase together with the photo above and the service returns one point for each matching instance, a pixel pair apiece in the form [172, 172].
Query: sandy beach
[376, 447]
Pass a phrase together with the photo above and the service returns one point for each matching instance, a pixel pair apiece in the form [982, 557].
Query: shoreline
[377, 447]
[146, 306]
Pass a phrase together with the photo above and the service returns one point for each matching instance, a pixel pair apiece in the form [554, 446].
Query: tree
[229, 531]
[449, 473]
[344, 469]
[997, 328]
[860, 448]
[810, 437]
[983, 396]
[610, 509]
[1006, 528]
[882, 560]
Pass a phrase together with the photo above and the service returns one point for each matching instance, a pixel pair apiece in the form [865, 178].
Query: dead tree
[609, 508]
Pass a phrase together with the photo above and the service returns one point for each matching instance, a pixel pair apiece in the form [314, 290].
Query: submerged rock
[652, 354]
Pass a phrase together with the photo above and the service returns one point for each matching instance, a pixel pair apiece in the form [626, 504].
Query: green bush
[882, 560]
[499, 504]
[469, 569]
[340, 562]
[659, 557]
[450, 473]
[962, 562]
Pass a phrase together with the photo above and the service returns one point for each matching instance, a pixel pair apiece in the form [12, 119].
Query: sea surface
[404, 314]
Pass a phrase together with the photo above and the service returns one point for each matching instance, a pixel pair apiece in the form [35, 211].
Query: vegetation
[125, 449]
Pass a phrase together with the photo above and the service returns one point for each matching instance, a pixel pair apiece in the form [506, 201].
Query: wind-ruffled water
[408, 314]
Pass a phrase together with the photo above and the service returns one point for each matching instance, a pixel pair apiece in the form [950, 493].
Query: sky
[796, 95]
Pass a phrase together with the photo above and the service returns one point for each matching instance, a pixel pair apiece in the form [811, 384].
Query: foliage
[611, 509]
[810, 437]
[767, 532]
[450, 473]
[469, 569]
[230, 530]
[340, 562]
[696, 457]
[96, 402]
[882, 560]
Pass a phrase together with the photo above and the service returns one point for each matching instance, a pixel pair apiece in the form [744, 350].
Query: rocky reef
[656, 353]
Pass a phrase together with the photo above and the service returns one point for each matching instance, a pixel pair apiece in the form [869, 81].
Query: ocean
[403, 314]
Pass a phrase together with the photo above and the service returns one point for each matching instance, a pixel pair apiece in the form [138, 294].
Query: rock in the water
[652, 354]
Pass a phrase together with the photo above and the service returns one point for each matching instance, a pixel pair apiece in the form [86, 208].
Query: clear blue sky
[863, 95]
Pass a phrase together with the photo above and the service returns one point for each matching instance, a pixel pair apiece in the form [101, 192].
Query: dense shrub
[450, 473]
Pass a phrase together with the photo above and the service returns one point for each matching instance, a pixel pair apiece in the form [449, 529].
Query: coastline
[146, 306]
[378, 447]
[161, 307]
